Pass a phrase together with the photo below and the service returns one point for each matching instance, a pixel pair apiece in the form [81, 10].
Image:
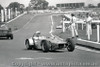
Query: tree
[38, 4]
[14, 5]
[21, 9]
[91, 6]
[45, 4]
[52, 8]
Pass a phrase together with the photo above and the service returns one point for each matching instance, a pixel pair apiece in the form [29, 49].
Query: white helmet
[38, 32]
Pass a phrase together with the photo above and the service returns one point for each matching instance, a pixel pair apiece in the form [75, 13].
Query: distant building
[70, 5]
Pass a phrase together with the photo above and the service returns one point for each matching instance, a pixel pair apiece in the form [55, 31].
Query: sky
[5, 3]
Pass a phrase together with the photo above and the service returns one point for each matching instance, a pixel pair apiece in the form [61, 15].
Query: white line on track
[39, 58]
[77, 47]
[25, 24]
[87, 41]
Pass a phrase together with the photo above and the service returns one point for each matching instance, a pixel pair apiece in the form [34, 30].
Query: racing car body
[49, 43]
[6, 32]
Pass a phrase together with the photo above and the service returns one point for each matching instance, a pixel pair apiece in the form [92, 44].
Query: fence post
[2, 15]
[63, 26]
[82, 26]
[76, 25]
[5, 14]
[88, 32]
[9, 14]
[98, 31]
[15, 12]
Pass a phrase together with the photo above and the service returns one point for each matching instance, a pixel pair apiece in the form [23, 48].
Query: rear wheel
[70, 45]
[44, 46]
[27, 44]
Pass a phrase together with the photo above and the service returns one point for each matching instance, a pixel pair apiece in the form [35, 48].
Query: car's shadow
[40, 51]
[57, 51]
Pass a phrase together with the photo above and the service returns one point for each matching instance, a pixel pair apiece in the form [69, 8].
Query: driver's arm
[36, 36]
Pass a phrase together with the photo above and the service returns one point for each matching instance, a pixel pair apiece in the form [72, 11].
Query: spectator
[88, 21]
[73, 27]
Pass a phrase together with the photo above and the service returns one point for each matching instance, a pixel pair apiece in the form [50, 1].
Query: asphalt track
[14, 54]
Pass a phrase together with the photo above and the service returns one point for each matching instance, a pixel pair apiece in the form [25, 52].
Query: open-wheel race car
[49, 43]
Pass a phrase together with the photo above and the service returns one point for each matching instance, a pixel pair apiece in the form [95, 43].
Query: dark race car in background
[5, 32]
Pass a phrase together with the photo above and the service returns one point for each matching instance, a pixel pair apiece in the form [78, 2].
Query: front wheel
[70, 45]
[27, 44]
[11, 37]
[44, 46]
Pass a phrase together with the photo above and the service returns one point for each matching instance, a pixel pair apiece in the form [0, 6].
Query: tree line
[38, 4]
[14, 6]
[34, 4]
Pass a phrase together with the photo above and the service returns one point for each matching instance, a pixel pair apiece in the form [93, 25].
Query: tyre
[70, 45]
[11, 37]
[27, 44]
[44, 46]
[7, 37]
